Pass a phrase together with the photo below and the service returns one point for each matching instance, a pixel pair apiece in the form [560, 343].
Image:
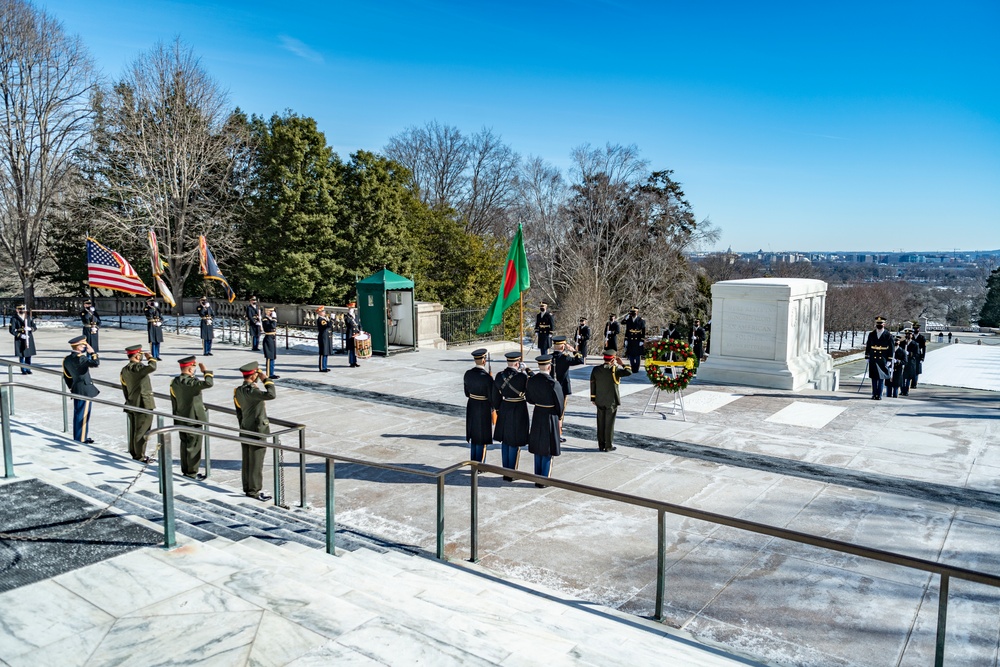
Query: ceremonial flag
[168, 298]
[210, 269]
[515, 280]
[106, 268]
[158, 264]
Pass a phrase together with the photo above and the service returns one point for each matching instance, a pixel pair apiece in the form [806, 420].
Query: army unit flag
[158, 266]
[210, 269]
[108, 269]
[515, 281]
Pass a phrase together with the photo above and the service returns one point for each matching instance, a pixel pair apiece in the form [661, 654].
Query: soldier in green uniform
[604, 394]
[186, 401]
[252, 415]
[138, 392]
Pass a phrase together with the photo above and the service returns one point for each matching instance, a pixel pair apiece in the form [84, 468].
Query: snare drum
[363, 345]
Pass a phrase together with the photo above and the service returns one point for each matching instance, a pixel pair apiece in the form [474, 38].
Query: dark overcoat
[635, 335]
[270, 342]
[481, 392]
[561, 363]
[76, 373]
[878, 351]
[512, 409]
[91, 322]
[324, 335]
[207, 315]
[545, 394]
[154, 324]
[20, 327]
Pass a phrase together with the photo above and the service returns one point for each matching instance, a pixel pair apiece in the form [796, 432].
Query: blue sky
[801, 125]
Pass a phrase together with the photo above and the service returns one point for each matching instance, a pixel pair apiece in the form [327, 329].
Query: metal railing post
[276, 456]
[942, 621]
[207, 448]
[159, 439]
[8, 460]
[661, 561]
[302, 468]
[65, 402]
[331, 522]
[10, 398]
[167, 485]
[474, 517]
[440, 517]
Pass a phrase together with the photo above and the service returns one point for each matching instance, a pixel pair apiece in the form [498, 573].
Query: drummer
[350, 330]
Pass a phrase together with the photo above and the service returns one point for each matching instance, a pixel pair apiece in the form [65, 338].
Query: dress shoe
[208, 354]
[539, 486]
[324, 370]
[89, 441]
[158, 359]
[263, 497]
[355, 365]
[275, 377]
[508, 479]
[197, 477]
[562, 439]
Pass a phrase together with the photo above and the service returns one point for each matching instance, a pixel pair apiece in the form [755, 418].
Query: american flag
[106, 268]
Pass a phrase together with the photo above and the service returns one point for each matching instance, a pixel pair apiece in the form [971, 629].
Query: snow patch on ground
[967, 366]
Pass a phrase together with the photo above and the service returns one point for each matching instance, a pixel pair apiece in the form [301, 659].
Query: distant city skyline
[788, 124]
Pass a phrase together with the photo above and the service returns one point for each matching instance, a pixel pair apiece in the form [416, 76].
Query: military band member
[254, 324]
[913, 365]
[921, 342]
[76, 373]
[138, 392]
[611, 330]
[207, 315]
[582, 337]
[22, 328]
[154, 327]
[482, 395]
[91, 325]
[878, 352]
[697, 341]
[186, 402]
[351, 329]
[635, 338]
[269, 326]
[562, 360]
[512, 411]
[251, 412]
[542, 391]
[604, 394]
[895, 382]
[544, 325]
[324, 338]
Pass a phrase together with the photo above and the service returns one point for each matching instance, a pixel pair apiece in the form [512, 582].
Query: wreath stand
[676, 403]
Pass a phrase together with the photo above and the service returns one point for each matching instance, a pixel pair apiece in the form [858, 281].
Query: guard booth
[387, 311]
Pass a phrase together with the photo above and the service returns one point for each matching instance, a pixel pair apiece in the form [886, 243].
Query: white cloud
[301, 49]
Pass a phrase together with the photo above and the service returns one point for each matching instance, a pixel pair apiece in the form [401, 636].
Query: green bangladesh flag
[515, 280]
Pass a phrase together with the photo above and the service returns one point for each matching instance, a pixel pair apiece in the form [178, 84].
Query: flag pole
[520, 327]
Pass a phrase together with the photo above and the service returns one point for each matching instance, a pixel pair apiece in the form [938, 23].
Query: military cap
[186, 361]
[87, 302]
[916, 325]
[513, 356]
[133, 349]
[879, 320]
[253, 298]
[583, 319]
[249, 369]
[320, 309]
[269, 310]
[543, 303]
[77, 340]
[559, 339]
[20, 306]
[612, 315]
[480, 353]
[610, 354]
[543, 359]
[634, 309]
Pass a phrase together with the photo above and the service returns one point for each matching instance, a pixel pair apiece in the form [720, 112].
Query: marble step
[347, 537]
[126, 506]
[276, 520]
[228, 515]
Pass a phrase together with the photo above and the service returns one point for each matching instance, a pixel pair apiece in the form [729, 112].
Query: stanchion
[8, 461]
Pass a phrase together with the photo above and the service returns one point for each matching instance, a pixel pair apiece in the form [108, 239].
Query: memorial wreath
[667, 353]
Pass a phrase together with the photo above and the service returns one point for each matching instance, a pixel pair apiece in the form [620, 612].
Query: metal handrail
[944, 571]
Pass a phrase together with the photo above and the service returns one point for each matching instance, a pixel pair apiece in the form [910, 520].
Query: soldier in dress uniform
[22, 328]
[482, 395]
[512, 411]
[138, 392]
[582, 337]
[251, 413]
[635, 338]
[76, 373]
[254, 327]
[186, 401]
[154, 327]
[611, 330]
[324, 338]
[562, 360]
[604, 394]
[269, 325]
[351, 328]
[895, 382]
[544, 325]
[921, 342]
[91, 325]
[878, 352]
[697, 342]
[671, 332]
[207, 315]
[542, 391]
[913, 369]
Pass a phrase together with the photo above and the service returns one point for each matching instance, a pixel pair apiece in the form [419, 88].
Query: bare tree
[491, 184]
[437, 156]
[46, 78]
[169, 154]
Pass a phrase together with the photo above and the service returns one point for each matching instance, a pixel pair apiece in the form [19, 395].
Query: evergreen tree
[989, 315]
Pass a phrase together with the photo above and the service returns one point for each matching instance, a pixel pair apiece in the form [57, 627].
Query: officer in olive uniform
[582, 337]
[482, 395]
[611, 330]
[635, 338]
[604, 380]
[544, 325]
[76, 373]
[138, 392]
[562, 359]
[22, 328]
[512, 412]
[324, 337]
[252, 415]
[186, 401]
[207, 315]
[545, 394]
[252, 313]
[91, 325]
[878, 352]
[154, 327]
[269, 325]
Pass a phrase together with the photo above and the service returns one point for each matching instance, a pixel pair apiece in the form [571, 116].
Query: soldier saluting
[76, 373]
[512, 411]
[544, 393]
[544, 324]
[604, 394]
[482, 395]
[138, 392]
[251, 412]
[878, 352]
[562, 360]
[186, 401]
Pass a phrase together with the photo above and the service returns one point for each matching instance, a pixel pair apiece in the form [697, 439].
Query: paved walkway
[918, 475]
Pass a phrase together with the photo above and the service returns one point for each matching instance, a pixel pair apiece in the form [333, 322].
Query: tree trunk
[29, 293]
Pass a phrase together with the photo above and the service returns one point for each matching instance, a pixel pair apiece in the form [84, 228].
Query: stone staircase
[252, 584]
